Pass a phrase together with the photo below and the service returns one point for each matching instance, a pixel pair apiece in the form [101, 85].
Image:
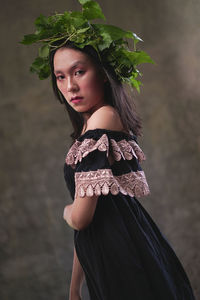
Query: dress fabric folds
[122, 251]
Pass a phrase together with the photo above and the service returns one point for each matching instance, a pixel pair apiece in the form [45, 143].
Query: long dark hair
[115, 95]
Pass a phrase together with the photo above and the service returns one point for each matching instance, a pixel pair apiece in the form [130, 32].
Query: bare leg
[76, 279]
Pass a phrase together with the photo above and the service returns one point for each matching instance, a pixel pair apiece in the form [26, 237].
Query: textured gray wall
[36, 245]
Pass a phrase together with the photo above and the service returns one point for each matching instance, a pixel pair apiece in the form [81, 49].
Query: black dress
[122, 252]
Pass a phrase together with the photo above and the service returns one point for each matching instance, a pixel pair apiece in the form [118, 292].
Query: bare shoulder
[105, 117]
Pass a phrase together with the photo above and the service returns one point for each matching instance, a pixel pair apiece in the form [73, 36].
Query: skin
[77, 75]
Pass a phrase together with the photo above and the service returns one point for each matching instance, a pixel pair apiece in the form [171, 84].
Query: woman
[118, 248]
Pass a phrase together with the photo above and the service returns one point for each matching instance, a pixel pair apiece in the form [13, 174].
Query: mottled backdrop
[36, 244]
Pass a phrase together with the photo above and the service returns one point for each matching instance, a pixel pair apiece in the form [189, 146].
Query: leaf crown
[110, 42]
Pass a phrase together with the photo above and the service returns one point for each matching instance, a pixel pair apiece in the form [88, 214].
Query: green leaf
[77, 19]
[67, 15]
[44, 51]
[80, 36]
[57, 20]
[106, 42]
[41, 22]
[41, 67]
[92, 43]
[78, 39]
[92, 10]
[114, 32]
[82, 2]
[138, 57]
[29, 39]
[38, 64]
[135, 83]
[82, 30]
[44, 72]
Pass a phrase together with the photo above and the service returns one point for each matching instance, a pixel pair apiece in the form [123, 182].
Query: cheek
[58, 85]
[94, 85]
[61, 87]
[62, 90]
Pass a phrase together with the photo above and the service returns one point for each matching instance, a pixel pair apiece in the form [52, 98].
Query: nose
[71, 85]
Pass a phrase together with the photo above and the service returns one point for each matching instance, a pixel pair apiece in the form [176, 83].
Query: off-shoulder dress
[122, 252]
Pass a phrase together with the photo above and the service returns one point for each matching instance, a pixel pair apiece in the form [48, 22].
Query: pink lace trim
[121, 149]
[126, 150]
[103, 181]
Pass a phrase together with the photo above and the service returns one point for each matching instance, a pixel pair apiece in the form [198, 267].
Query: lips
[76, 98]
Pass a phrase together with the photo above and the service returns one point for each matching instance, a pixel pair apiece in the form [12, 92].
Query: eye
[60, 77]
[79, 72]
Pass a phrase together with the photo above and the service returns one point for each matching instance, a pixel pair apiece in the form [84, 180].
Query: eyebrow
[72, 67]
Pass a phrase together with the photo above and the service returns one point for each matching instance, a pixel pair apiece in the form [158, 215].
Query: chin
[81, 109]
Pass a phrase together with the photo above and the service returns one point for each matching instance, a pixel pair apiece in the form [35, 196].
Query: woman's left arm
[79, 214]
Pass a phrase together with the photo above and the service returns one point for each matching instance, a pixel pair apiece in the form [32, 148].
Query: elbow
[79, 223]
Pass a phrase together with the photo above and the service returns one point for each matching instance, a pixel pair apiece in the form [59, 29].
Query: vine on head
[110, 42]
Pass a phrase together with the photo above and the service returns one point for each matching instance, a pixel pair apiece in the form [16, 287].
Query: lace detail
[126, 150]
[82, 149]
[103, 181]
[121, 149]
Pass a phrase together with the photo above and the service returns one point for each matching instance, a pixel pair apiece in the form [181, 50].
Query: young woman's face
[79, 80]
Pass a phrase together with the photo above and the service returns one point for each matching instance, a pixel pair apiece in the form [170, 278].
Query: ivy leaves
[111, 42]
[91, 10]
